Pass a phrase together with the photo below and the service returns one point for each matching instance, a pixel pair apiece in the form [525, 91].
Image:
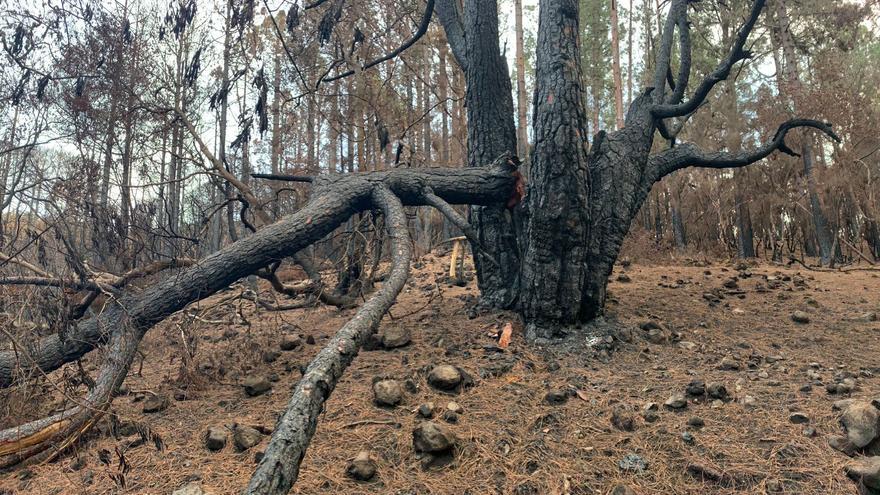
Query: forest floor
[511, 438]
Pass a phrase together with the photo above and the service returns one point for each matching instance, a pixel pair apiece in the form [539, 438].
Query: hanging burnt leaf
[126, 31]
[293, 17]
[80, 87]
[261, 108]
[87, 15]
[358, 35]
[41, 86]
[381, 133]
[161, 33]
[18, 40]
[180, 17]
[244, 133]
[18, 92]
[329, 21]
[242, 14]
[192, 72]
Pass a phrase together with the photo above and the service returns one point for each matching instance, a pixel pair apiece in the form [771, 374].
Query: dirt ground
[511, 440]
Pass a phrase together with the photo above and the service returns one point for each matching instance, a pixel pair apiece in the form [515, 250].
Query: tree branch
[690, 155]
[736, 54]
[423, 28]
[279, 468]
[459, 221]
[450, 18]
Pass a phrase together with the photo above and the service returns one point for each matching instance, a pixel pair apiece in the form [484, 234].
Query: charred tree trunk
[473, 37]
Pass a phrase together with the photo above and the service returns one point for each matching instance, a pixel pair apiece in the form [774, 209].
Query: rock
[717, 391]
[622, 420]
[676, 401]
[246, 437]
[865, 470]
[444, 377]
[623, 490]
[729, 364]
[215, 439]
[362, 468]
[454, 407]
[624, 278]
[842, 444]
[650, 325]
[688, 438]
[556, 397]
[155, 403]
[748, 401]
[860, 420]
[703, 472]
[633, 463]
[810, 432]
[684, 344]
[310, 340]
[696, 422]
[256, 385]
[290, 342]
[450, 417]
[650, 416]
[387, 393]
[696, 388]
[395, 336]
[430, 437]
[426, 410]
[270, 356]
[798, 418]
[657, 336]
[800, 317]
[192, 488]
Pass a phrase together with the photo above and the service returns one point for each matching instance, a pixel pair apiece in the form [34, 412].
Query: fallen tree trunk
[334, 200]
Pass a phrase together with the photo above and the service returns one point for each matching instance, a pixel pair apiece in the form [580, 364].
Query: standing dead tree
[582, 199]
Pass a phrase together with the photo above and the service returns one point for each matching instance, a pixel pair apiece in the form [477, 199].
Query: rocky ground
[702, 379]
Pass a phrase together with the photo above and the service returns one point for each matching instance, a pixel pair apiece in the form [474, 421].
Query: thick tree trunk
[579, 205]
[491, 133]
[555, 266]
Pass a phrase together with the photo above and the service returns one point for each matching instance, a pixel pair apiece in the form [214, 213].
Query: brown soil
[511, 441]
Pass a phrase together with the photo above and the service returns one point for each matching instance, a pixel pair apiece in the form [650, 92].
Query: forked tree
[548, 253]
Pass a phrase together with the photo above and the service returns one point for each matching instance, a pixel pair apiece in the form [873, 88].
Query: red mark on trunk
[519, 190]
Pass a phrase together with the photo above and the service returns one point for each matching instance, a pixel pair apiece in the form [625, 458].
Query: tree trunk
[615, 66]
[491, 133]
[792, 90]
[522, 133]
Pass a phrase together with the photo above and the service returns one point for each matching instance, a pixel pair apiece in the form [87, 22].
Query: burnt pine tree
[581, 199]
[549, 256]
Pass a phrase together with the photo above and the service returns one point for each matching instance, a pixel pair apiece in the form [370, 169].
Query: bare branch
[279, 468]
[690, 155]
[736, 54]
[423, 28]
[459, 221]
